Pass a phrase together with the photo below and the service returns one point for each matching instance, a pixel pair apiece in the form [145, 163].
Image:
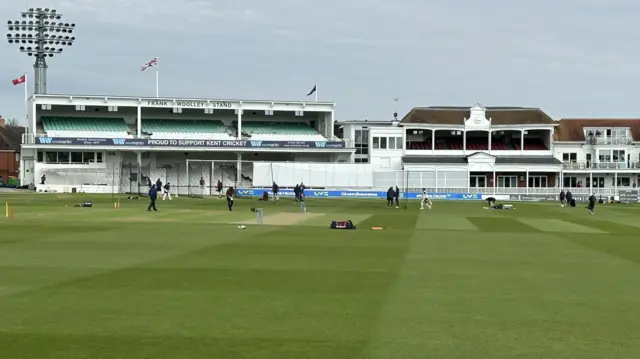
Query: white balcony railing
[590, 165]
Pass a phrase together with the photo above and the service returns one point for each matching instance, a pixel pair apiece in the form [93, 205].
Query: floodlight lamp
[22, 48]
[9, 35]
[10, 28]
[38, 9]
[29, 54]
[58, 17]
[53, 11]
[46, 9]
[46, 23]
[50, 55]
[9, 22]
[30, 9]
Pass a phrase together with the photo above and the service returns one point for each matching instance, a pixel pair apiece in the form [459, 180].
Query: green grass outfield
[456, 281]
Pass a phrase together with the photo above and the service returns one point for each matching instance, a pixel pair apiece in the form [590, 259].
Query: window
[570, 157]
[88, 157]
[507, 181]
[624, 181]
[619, 155]
[392, 143]
[40, 156]
[570, 182]
[76, 157]
[477, 181]
[98, 157]
[362, 160]
[63, 157]
[399, 143]
[604, 156]
[383, 143]
[376, 143]
[52, 157]
[537, 181]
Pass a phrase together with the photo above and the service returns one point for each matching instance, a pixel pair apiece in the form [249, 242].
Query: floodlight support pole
[40, 65]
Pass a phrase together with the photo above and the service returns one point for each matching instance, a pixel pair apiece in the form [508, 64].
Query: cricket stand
[8, 210]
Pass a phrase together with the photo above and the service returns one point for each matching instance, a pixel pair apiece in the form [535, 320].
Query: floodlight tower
[41, 36]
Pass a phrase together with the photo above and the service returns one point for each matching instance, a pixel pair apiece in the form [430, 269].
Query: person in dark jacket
[159, 185]
[562, 198]
[275, 189]
[396, 196]
[153, 195]
[302, 188]
[592, 203]
[296, 192]
[390, 193]
[231, 193]
[219, 188]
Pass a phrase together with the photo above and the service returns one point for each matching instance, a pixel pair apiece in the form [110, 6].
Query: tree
[11, 122]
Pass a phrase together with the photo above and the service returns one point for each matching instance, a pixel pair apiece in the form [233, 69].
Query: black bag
[342, 225]
[572, 203]
[265, 196]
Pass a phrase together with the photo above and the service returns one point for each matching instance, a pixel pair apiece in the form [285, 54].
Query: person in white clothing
[167, 191]
[425, 200]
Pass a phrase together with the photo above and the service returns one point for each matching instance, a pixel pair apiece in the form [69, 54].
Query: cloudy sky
[571, 58]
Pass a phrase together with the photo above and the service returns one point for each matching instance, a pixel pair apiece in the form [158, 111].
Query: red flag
[19, 80]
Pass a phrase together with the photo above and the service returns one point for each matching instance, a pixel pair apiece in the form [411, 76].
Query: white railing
[590, 165]
[609, 140]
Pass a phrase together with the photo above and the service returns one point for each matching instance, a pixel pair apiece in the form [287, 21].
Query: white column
[526, 180]
[139, 179]
[239, 135]
[494, 182]
[139, 122]
[490, 133]
[33, 121]
[464, 141]
[433, 140]
[591, 182]
[615, 182]
[239, 169]
[522, 141]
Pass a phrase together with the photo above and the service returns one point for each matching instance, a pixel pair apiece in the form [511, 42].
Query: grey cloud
[558, 55]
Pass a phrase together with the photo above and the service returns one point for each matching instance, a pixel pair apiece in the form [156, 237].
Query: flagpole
[316, 93]
[26, 100]
[157, 78]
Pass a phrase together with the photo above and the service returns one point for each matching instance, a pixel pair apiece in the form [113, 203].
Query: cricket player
[202, 184]
[167, 191]
[275, 189]
[230, 194]
[219, 188]
[592, 203]
[562, 197]
[153, 195]
[425, 200]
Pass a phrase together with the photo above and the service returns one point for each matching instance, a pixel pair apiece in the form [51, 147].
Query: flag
[19, 80]
[313, 90]
[151, 63]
